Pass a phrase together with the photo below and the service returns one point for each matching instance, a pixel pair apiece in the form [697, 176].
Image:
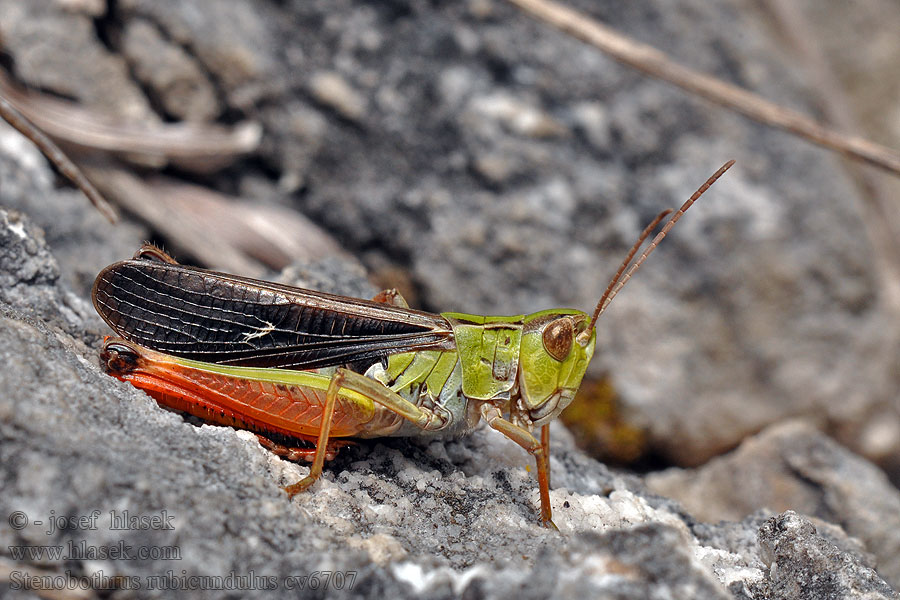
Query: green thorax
[483, 366]
[488, 349]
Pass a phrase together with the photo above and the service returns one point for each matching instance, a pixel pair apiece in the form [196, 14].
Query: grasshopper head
[556, 349]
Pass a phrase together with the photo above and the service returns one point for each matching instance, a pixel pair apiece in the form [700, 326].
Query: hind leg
[427, 419]
[322, 445]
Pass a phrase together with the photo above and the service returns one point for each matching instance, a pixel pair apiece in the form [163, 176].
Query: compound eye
[558, 336]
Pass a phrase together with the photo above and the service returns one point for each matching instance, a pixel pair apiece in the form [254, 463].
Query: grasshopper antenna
[640, 241]
[619, 280]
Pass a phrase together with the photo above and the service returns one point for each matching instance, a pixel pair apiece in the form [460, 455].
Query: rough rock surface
[804, 565]
[504, 168]
[791, 465]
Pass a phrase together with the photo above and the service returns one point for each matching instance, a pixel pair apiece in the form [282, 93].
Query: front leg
[540, 449]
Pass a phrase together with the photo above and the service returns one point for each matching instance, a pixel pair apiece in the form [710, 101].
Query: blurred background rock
[483, 162]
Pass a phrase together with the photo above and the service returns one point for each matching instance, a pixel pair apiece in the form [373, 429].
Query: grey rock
[804, 565]
[83, 242]
[792, 465]
[185, 92]
[334, 92]
[334, 275]
[467, 147]
[58, 50]
[506, 166]
[446, 175]
[232, 44]
[29, 276]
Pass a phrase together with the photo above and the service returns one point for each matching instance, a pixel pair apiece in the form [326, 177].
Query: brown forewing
[226, 319]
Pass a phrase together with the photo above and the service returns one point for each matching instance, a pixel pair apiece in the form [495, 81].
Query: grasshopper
[297, 365]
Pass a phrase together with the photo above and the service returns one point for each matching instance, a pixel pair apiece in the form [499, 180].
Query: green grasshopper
[293, 364]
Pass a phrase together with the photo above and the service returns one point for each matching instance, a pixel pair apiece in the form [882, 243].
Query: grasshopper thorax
[556, 350]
